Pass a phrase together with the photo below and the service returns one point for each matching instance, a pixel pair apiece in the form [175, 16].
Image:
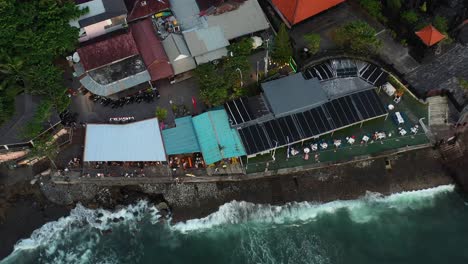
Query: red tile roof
[143, 8]
[430, 35]
[152, 50]
[106, 51]
[295, 11]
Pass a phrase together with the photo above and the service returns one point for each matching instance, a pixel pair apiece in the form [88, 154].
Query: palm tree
[12, 77]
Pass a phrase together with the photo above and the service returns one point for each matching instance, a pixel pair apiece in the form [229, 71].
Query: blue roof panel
[182, 138]
[216, 137]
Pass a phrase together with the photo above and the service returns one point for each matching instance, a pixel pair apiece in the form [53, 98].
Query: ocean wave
[360, 210]
[51, 235]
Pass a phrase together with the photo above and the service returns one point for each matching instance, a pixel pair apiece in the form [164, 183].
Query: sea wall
[413, 170]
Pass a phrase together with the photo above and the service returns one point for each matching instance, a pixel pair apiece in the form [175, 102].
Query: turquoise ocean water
[428, 226]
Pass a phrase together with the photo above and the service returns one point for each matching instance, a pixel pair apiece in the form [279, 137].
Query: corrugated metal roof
[293, 94]
[138, 141]
[211, 56]
[178, 53]
[107, 51]
[216, 137]
[182, 138]
[201, 41]
[115, 87]
[151, 49]
[248, 18]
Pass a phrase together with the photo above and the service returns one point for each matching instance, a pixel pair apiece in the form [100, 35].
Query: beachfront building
[139, 141]
[295, 11]
[325, 98]
[182, 148]
[103, 17]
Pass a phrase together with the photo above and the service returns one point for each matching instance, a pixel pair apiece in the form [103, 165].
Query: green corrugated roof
[216, 137]
[182, 138]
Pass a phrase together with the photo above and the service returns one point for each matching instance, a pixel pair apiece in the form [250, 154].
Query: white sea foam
[360, 210]
[50, 235]
[53, 234]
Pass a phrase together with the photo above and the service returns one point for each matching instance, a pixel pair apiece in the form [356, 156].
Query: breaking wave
[361, 210]
[53, 242]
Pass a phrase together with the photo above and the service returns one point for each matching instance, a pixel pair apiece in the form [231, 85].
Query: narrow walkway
[438, 110]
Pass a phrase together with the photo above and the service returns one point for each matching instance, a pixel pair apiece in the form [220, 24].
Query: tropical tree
[45, 147]
[236, 71]
[213, 87]
[441, 24]
[161, 113]
[242, 47]
[312, 42]
[374, 8]
[359, 37]
[411, 17]
[394, 5]
[282, 49]
[34, 34]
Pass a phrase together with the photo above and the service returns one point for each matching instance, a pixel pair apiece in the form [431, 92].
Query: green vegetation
[161, 113]
[242, 47]
[313, 42]
[374, 8]
[34, 127]
[231, 69]
[359, 37]
[441, 24]
[219, 83]
[423, 7]
[394, 5]
[410, 17]
[397, 84]
[34, 34]
[282, 49]
[213, 87]
[45, 147]
[464, 84]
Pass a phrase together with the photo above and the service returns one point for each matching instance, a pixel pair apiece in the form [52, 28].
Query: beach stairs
[452, 151]
[438, 110]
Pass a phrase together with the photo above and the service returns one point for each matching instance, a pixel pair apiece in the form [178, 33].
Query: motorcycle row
[147, 97]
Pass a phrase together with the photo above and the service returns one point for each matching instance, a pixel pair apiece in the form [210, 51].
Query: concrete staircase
[438, 110]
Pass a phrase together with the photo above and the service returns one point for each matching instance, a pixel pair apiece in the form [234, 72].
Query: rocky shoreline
[47, 201]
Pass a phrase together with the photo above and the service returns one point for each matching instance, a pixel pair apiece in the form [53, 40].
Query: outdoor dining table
[314, 147]
[403, 132]
[324, 145]
[365, 138]
[350, 140]
[337, 143]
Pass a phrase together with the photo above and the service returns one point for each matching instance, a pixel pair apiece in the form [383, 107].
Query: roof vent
[143, 3]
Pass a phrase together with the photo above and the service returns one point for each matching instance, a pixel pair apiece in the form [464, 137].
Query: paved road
[179, 93]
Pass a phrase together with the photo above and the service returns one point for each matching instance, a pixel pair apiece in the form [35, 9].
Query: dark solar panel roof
[238, 111]
[330, 116]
